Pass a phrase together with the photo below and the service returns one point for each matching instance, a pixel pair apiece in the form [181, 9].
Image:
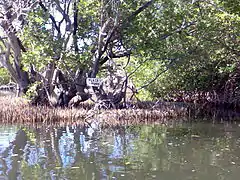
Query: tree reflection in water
[177, 151]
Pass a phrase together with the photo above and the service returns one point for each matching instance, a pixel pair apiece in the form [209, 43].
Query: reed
[18, 110]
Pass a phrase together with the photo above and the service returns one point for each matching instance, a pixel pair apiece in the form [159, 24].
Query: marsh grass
[18, 110]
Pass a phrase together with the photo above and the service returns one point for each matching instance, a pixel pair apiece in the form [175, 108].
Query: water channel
[180, 150]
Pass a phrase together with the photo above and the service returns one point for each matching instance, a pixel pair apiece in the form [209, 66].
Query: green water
[181, 151]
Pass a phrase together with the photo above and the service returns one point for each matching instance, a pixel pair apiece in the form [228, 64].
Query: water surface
[199, 150]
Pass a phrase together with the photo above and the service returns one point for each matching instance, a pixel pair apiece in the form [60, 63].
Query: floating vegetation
[18, 110]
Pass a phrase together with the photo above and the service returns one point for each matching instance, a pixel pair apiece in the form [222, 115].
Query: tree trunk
[15, 68]
[22, 76]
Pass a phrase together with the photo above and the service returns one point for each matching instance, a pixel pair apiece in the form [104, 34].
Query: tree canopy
[163, 46]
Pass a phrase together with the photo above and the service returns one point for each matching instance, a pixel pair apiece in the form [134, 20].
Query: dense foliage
[165, 47]
[204, 56]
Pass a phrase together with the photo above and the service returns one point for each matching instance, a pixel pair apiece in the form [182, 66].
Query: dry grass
[18, 110]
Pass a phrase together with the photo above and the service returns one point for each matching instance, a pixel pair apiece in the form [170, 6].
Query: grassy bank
[18, 110]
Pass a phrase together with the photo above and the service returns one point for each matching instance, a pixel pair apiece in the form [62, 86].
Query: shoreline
[18, 110]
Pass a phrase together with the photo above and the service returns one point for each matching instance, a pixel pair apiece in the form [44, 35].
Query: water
[199, 150]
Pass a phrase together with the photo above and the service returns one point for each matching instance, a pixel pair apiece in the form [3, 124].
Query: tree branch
[178, 30]
[108, 30]
[138, 11]
[21, 45]
[131, 73]
[156, 76]
[51, 16]
[111, 55]
[5, 62]
[64, 13]
[75, 25]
